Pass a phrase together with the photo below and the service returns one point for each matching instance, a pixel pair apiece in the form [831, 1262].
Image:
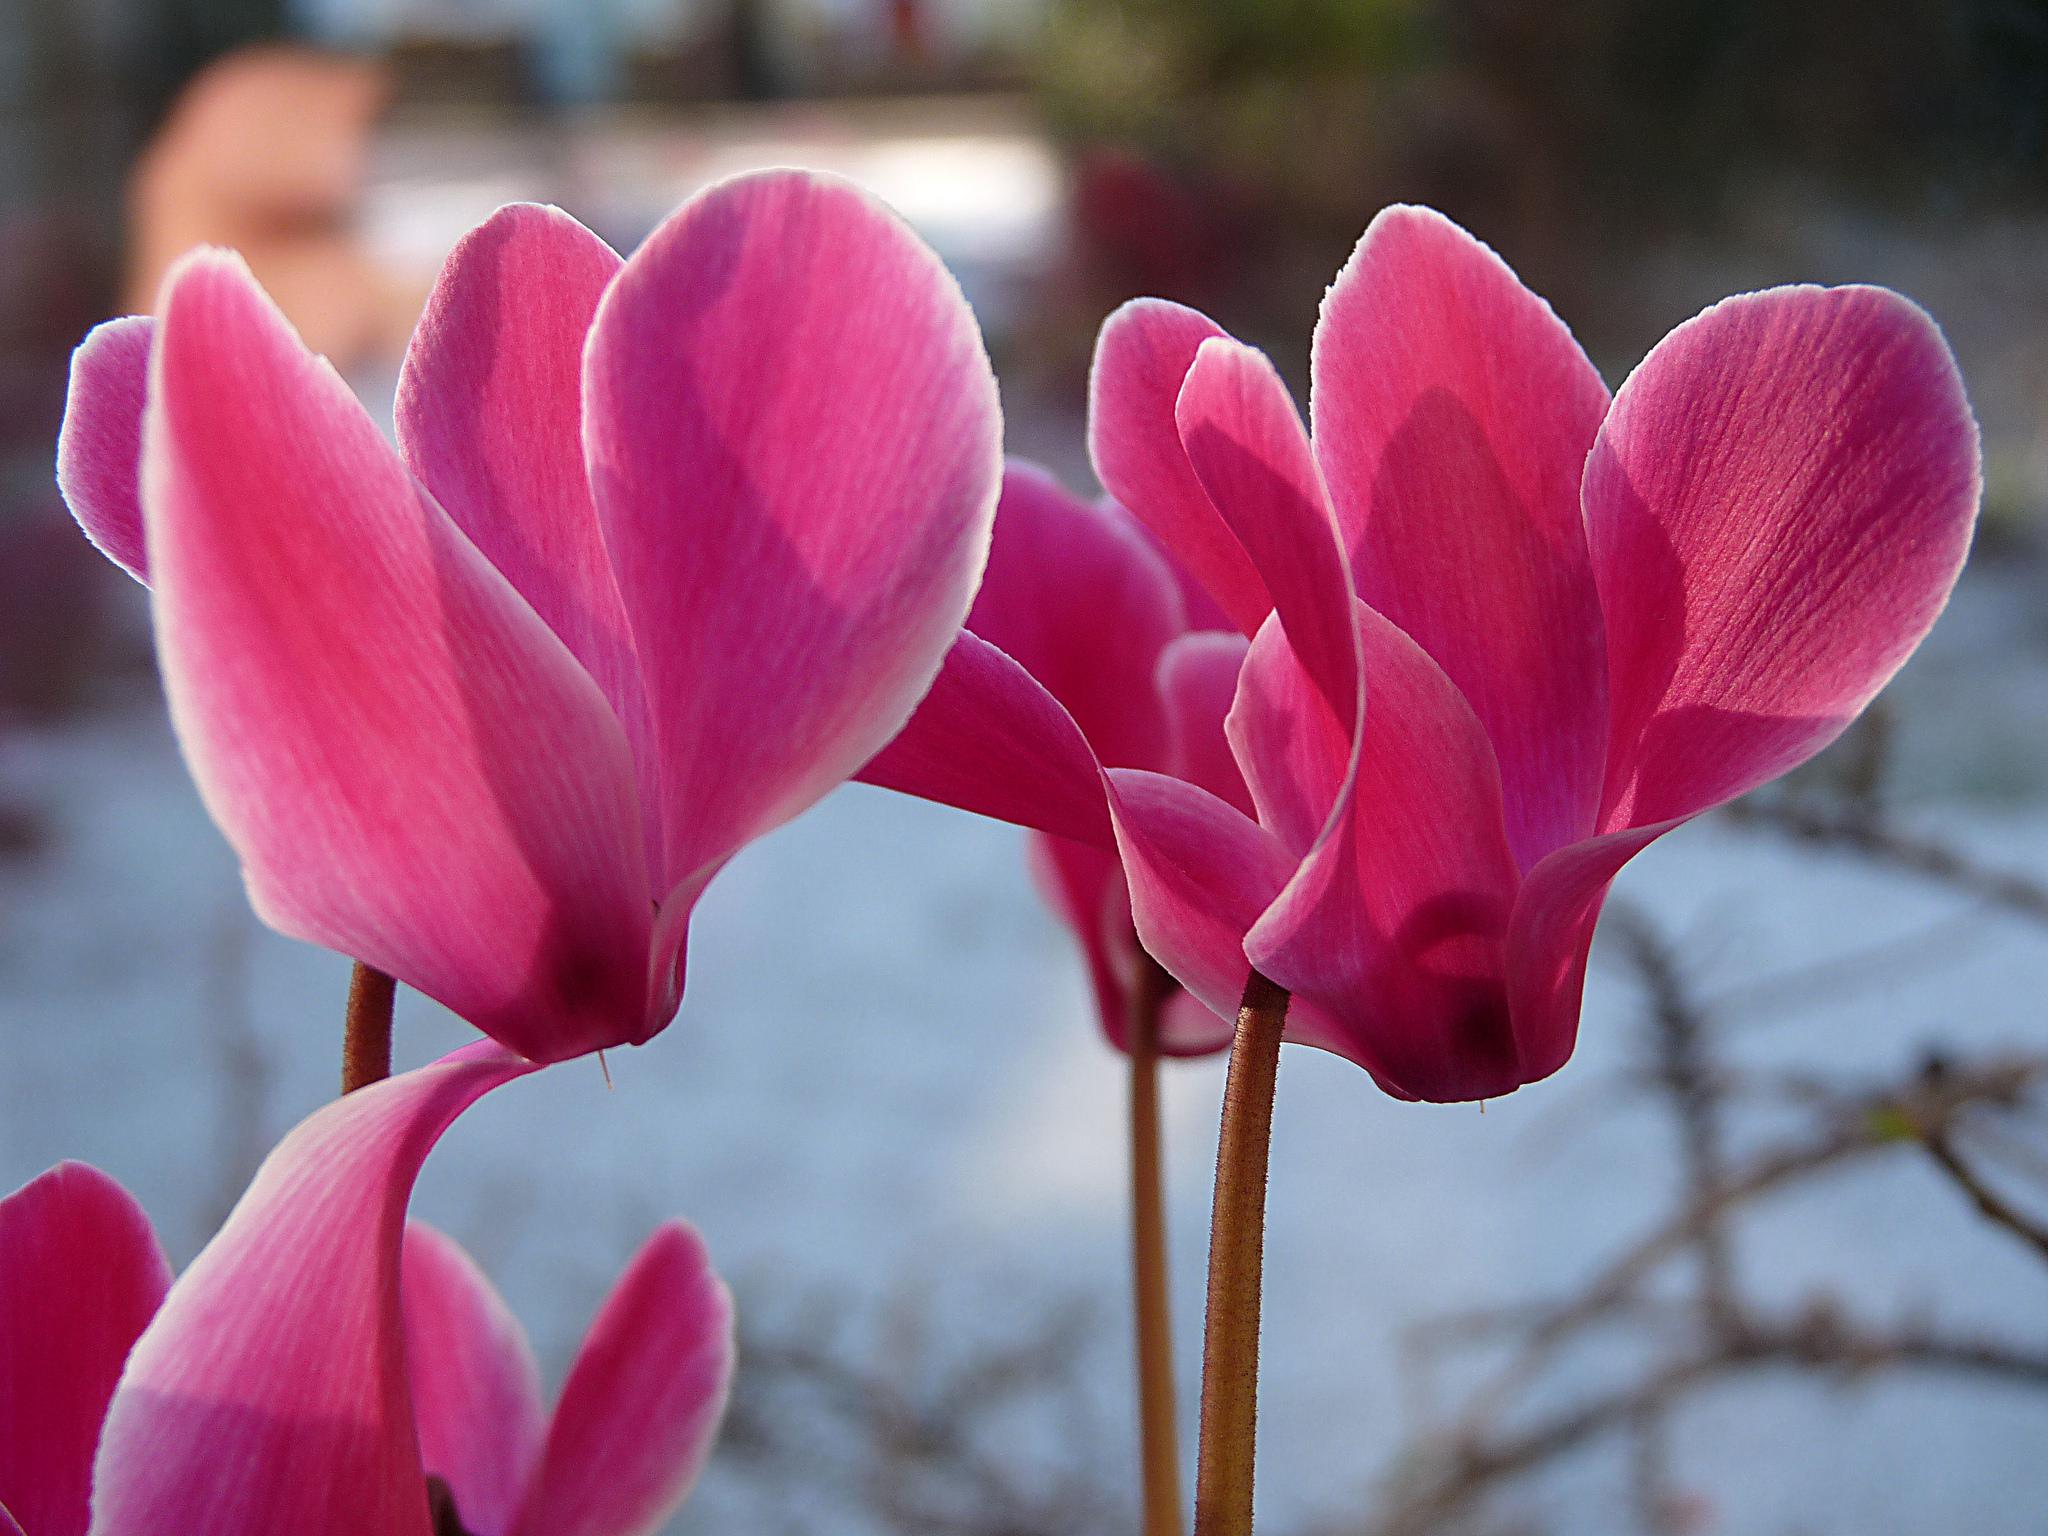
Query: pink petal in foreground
[1453, 412]
[1142, 359]
[1778, 506]
[989, 739]
[794, 444]
[413, 769]
[270, 1393]
[1201, 872]
[643, 1401]
[1395, 926]
[99, 448]
[1253, 459]
[81, 1274]
[475, 1388]
[490, 418]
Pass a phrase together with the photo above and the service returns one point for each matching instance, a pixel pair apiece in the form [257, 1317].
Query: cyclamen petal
[1396, 923]
[475, 1387]
[81, 1274]
[490, 418]
[1453, 412]
[412, 767]
[1142, 360]
[99, 449]
[793, 439]
[643, 1401]
[1778, 506]
[280, 1353]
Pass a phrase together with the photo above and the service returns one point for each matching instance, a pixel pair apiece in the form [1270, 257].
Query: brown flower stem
[1237, 1245]
[366, 1036]
[1158, 1432]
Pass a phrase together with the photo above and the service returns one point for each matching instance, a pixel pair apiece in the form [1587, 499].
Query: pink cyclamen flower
[669, 548]
[1505, 630]
[326, 1368]
[1080, 597]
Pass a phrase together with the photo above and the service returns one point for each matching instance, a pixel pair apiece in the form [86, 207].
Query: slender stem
[1237, 1246]
[366, 1037]
[1158, 1432]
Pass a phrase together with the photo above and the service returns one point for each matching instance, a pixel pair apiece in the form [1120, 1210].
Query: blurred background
[1770, 1256]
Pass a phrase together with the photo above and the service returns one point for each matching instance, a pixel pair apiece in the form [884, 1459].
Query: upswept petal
[1453, 412]
[989, 739]
[1076, 595]
[1293, 751]
[413, 769]
[1549, 937]
[1197, 681]
[1252, 457]
[99, 447]
[1200, 872]
[1395, 925]
[794, 446]
[1142, 358]
[1778, 505]
[490, 418]
[475, 1387]
[270, 1393]
[643, 1401]
[81, 1274]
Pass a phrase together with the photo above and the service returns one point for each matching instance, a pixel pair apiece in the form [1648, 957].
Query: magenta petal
[81, 1274]
[1198, 676]
[1549, 937]
[1778, 505]
[99, 449]
[1396, 924]
[1084, 886]
[989, 739]
[1201, 872]
[1252, 457]
[1453, 412]
[270, 1393]
[490, 417]
[475, 1388]
[794, 443]
[1141, 360]
[643, 1401]
[413, 769]
[1076, 594]
[1294, 752]
[8, 1526]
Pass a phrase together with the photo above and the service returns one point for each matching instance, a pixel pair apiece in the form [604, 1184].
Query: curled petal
[99, 448]
[1253, 459]
[988, 738]
[794, 445]
[490, 418]
[1077, 596]
[643, 1401]
[1142, 359]
[1396, 922]
[1201, 872]
[475, 1388]
[413, 769]
[270, 1393]
[81, 1274]
[1453, 412]
[1778, 505]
